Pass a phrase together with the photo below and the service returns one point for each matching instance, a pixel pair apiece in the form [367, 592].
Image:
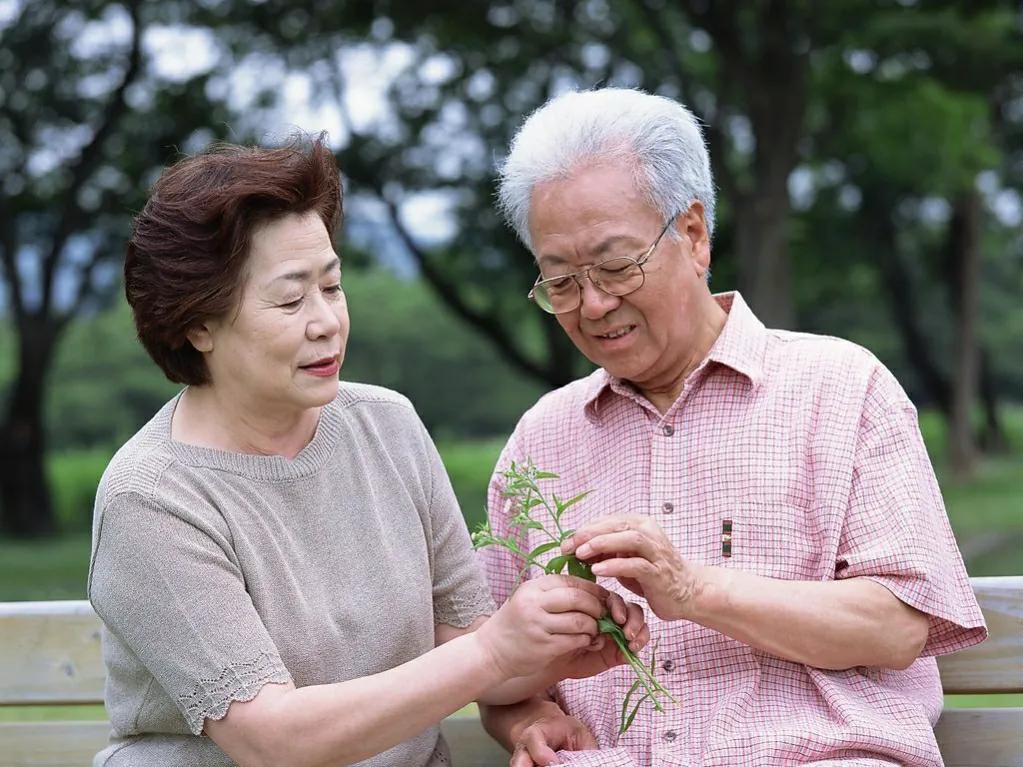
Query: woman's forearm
[829, 624]
[339, 724]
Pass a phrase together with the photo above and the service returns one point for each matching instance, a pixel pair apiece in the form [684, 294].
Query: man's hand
[537, 743]
[637, 552]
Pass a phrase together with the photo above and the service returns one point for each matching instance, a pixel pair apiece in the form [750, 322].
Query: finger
[552, 582]
[633, 543]
[571, 624]
[521, 757]
[534, 743]
[616, 606]
[637, 568]
[542, 756]
[573, 600]
[614, 524]
[635, 620]
[641, 641]
[582, 739]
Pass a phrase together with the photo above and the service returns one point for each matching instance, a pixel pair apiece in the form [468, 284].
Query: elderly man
[767, 493]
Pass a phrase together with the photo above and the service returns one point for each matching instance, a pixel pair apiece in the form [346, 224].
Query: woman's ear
[201, 337]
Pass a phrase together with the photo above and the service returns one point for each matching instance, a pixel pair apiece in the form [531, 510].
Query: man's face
[595, 214]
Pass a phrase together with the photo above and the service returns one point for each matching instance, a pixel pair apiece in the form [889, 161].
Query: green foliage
[522, 486]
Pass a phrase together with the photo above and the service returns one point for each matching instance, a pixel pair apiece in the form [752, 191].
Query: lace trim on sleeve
[461, 609]
[211, 698]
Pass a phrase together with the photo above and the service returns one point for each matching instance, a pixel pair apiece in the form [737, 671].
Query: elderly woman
[279, 559]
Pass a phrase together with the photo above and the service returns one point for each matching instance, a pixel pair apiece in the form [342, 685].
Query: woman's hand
[603, 653]
[637, 552]
[545, 619]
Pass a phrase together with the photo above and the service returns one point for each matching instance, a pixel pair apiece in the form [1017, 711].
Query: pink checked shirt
[810, 446]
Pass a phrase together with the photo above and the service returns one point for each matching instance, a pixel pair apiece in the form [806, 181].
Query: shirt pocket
[775, 539]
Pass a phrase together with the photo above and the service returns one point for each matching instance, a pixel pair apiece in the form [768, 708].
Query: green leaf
[556, 565]
[580, 569]
[543, 548]
[574, 500]
[632, 716]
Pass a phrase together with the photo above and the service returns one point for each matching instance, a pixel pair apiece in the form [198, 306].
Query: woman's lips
[323, 368]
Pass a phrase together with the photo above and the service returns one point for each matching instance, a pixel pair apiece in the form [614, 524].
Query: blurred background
[869, 157]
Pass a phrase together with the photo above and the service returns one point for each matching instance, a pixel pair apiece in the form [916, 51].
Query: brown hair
[185, 259]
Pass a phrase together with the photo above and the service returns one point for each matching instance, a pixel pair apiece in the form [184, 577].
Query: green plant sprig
[522, 485]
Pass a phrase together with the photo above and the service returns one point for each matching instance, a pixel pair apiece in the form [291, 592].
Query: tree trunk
[964, 274]
[879, 228]
[992, 439]
[762, 257]
[25, 507]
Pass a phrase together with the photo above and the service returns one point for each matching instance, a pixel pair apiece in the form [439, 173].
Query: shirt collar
[741, 346]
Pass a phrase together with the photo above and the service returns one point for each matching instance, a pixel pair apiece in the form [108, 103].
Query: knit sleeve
[168, 585]
[460, 594]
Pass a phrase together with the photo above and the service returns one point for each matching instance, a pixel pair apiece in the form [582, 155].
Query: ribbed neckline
[270, 468]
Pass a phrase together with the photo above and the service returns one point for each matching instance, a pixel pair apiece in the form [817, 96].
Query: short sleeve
[503, 568]
[460, 594]
[896, 531]
[167, 585]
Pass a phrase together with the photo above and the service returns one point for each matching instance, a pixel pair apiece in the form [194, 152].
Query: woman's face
[283, 346]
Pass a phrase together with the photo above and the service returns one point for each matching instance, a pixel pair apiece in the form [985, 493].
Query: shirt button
[668, 430]
[670, 736]
[668, 507]
[669, 666]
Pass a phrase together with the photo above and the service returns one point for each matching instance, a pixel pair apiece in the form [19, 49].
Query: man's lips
[615, 333]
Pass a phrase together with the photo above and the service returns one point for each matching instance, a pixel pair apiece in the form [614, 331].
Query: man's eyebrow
[602, 248]
[334, 263]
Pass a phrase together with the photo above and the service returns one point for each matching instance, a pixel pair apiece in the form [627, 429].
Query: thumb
[583, 740]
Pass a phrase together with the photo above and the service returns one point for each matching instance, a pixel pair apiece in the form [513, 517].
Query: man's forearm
[829, 624]
[505, 723]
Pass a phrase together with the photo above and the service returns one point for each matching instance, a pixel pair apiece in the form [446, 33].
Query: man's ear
[201, 337]
[692, 227]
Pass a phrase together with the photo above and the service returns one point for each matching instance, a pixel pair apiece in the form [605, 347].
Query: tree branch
[71, 214]
[9, 259]
[487, 324]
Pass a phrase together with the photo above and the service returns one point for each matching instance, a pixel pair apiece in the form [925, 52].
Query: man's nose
[594, 303]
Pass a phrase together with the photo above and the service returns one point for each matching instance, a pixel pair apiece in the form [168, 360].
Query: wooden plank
[997, 664]
[50, 653]
[981, 737]
[73, 744]
[51, 744]
[470, 744]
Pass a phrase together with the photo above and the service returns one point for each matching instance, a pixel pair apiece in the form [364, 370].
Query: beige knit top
[215, 573]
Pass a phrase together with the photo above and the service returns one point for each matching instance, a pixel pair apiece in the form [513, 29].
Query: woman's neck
[207, 418]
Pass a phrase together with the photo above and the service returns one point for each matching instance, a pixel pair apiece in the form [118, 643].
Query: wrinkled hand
[545, 619]
[637, 552]
[537, 743]
[603, 654]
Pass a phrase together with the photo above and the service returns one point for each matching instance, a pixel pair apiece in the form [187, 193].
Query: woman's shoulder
[137, 465]
[376, 404]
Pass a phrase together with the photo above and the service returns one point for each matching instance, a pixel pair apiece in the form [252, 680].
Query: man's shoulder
[828, 363]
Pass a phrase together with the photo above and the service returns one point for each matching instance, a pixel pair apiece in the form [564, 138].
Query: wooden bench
[50, 654]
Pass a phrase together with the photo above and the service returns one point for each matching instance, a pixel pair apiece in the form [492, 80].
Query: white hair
[659, 136]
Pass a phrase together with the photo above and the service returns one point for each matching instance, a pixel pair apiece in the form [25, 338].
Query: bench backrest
[50, 654]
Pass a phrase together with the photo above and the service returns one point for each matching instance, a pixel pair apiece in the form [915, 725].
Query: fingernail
[584, 551]
[599, 568]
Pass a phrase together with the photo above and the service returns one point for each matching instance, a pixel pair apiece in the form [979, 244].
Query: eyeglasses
[616, 277]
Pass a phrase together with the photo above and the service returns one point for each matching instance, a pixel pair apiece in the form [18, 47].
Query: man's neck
[663, 395]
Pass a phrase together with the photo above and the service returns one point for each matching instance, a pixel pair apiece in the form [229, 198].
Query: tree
[85, 121]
